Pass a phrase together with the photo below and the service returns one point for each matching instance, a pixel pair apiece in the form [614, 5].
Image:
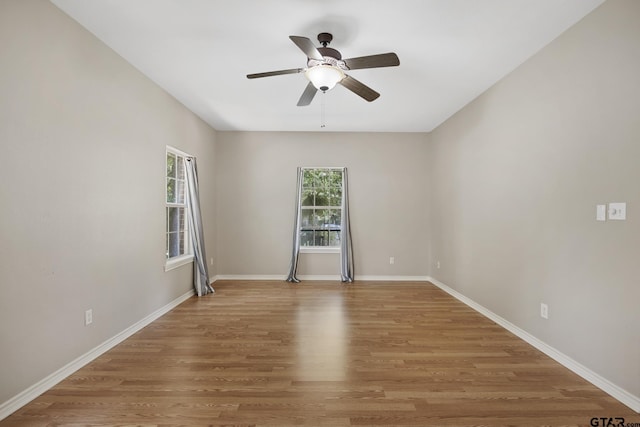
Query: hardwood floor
[322, 354]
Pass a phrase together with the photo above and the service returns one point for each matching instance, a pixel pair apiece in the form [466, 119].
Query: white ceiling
[450, 52]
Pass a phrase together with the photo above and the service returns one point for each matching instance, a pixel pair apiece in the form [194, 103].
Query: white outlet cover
[544, 311]
[601, 212]
[618, 211]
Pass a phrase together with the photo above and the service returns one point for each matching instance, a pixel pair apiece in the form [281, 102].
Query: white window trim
[179, 261]
[174, 150]
[320, 249]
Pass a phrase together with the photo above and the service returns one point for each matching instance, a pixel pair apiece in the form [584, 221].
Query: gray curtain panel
[346, 247]
[200, 271]
[296, 234]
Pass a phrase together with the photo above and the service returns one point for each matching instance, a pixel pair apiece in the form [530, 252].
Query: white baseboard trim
[394, 278]
[249, 277]
[605, 385]
[320, 277]
[18, 401]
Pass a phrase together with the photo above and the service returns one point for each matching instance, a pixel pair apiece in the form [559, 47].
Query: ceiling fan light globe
[324, 77]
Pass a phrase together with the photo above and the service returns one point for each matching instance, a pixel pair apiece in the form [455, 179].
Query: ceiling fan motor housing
[328, 51]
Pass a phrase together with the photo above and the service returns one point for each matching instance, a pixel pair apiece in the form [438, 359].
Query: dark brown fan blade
[359, 88]
[307, 95]
[307, 47]
[275, 73]
[373, 61]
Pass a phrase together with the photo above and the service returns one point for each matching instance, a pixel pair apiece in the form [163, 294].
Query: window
[178, 249]
[321, 208]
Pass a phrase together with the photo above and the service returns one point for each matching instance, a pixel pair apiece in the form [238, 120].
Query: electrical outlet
[392, 260]
[544, 311]
[438, 264]
[211, 261]
[88, 317]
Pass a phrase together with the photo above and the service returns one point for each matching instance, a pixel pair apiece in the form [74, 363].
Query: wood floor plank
[321, 354]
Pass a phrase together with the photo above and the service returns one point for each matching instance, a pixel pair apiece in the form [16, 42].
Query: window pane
[328, 218]
[306, 238]
[320, 217]
[174, 244]
[334, 238]
[324, 178]
[171, 165]
[307, 178]
[336, 177]
[308, 195]
[180, 168]
[176, 219]
[306, 218]
[335, 196]
[171, 190]
[317, 181]
[176, 237]
[179, 190]
[182, 242]
[335, 217]
[322, 197]
[321, 238]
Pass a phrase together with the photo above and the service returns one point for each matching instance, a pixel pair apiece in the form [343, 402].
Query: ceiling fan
[326, 68]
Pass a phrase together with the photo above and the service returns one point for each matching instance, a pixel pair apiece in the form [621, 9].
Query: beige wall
[83, 139]
[516, 176]
[256, 185]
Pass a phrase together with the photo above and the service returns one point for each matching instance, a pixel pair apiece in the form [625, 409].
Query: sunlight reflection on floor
[322, 339]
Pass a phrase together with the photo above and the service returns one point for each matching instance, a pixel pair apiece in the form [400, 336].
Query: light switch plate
[601, 212]
[618, 211]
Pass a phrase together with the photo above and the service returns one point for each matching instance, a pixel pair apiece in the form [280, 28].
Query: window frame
[186, 257]
[321, 249]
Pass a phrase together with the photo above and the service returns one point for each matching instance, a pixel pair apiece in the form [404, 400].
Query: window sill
[318, 250]
[178, 262]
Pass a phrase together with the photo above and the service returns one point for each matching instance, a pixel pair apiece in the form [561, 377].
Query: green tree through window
[321, 207]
